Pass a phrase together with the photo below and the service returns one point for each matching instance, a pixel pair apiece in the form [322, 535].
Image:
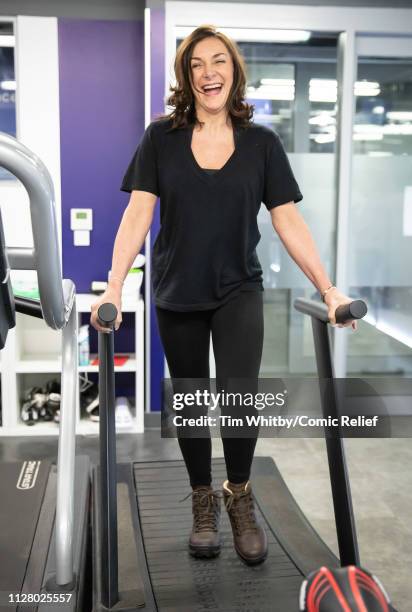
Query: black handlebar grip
[347, 312]
[107, 314]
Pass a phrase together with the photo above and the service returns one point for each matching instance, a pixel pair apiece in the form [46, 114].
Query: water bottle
[84, 346]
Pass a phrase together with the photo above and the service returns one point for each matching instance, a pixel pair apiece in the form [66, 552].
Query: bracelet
[323, 293]
[116, 278]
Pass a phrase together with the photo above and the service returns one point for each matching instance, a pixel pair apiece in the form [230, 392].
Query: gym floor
[380, 476]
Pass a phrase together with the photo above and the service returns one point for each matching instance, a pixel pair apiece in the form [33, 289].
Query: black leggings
[237, 336]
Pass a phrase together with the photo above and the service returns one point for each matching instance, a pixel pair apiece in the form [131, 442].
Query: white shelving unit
[33, 354]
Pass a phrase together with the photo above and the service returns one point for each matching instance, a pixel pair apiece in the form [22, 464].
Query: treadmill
[140, 530]
[44, 506]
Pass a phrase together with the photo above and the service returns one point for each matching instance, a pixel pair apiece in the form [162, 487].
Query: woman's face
[212, 74]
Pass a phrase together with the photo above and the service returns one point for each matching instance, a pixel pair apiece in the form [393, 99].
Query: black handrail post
[108, 472]
[342, 500]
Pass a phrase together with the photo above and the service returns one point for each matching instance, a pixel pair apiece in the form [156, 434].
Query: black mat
[224, 584]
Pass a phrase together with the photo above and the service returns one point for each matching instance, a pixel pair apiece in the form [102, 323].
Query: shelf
[50, 363]
[129, 366]
[33, 354]
[84, 428]
[33, 363]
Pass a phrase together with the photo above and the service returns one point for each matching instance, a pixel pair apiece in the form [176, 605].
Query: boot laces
[241, 509]
[206, 508]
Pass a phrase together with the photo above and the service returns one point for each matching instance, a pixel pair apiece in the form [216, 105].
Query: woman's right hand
[114, 296]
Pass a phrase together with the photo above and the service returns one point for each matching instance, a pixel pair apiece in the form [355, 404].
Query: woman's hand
[333, 299]
[114, 296]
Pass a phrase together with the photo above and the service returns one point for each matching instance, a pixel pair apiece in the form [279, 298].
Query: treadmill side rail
[57, 299]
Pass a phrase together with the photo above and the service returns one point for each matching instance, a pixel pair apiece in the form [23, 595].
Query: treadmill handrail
[349, 311]
[338, 471]
[32, 172]
[58, 304]
[319, 310]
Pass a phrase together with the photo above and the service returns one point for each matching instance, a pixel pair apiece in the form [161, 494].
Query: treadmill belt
[183, 583]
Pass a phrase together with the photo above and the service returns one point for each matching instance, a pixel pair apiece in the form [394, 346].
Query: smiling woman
[212, 168]
[210, 71]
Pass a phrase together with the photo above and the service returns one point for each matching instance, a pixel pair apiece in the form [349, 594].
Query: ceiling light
[324, 138]
[7, 40]
[255, 34]
[323, 119]
[399, 115]
[8, 85]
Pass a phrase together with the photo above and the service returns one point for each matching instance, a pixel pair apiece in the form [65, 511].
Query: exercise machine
[151, 569]
[140, 557]
[43, 505]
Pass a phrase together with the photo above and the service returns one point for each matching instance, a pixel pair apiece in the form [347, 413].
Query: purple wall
[101, 122]
[157, 45]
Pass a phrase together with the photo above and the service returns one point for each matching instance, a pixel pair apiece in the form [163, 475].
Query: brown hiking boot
[205, 538]
[249, 537]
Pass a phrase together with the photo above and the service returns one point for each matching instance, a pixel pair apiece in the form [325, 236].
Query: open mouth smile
[212, 89]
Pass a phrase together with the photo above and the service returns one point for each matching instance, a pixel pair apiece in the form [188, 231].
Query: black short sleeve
[280, 184]
[142, 173]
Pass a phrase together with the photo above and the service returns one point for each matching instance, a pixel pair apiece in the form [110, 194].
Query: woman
[212, 168]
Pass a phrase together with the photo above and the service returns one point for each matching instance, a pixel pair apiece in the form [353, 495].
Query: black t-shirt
[205, 251]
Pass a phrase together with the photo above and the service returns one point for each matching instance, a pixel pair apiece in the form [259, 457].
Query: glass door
[380, 222]
[292, 85]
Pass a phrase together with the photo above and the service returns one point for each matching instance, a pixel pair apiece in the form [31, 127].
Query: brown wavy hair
[182, 99]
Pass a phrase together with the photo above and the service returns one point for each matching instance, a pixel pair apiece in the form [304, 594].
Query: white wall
[37, 118]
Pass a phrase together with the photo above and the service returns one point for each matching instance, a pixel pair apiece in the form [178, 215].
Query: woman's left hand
[333, 299]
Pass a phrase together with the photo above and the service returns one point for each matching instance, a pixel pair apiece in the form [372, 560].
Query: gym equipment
[344, 588]
[43, 506]
[41, 404]
[7, 308]
[152, 570]
[35, 401]
[43, 549]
